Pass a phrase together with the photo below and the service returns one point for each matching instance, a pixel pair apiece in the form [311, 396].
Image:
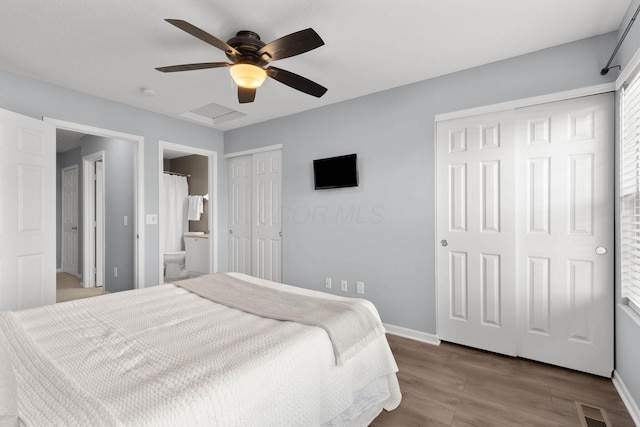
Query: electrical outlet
[343, 285]
[152, 219]
[327, 282]
[115, 271]
[360, 288]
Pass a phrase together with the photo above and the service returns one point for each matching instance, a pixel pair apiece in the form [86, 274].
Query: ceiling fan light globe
[248, 76]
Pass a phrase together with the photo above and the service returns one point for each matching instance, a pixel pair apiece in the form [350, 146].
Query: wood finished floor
[69, 287]
[451, 385]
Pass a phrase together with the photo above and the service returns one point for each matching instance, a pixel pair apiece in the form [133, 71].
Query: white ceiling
[110, 48]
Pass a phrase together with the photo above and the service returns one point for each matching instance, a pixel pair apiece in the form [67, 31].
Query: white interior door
[476, 232]
[530, 245]
[267, 227]
[27, 212]
[240, 191]
[70, 220]
[565, 233]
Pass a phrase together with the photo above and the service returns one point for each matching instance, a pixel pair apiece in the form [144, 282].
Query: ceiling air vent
[212, 114]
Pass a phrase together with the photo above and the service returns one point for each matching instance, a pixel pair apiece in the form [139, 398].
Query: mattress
[165, 356]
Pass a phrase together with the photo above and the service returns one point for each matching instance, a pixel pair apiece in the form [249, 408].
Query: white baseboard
[626, 397]
[412, 334]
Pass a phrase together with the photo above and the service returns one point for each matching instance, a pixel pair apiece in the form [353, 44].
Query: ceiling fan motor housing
[248, 44]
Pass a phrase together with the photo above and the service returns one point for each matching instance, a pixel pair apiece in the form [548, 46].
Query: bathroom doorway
[187, 214]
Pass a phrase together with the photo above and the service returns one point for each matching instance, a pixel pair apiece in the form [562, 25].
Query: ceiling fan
[249, 56]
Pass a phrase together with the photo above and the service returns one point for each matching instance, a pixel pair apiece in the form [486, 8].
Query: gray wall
[119, 198]
[38, 99]
[383, 232]
[627, 326]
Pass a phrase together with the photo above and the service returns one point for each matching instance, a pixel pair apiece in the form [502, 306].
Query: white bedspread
[163, 356]
[349, 323]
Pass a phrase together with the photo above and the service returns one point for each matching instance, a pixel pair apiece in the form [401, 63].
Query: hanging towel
[196, 207]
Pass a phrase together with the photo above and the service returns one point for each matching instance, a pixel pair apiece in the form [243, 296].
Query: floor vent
[592, 416]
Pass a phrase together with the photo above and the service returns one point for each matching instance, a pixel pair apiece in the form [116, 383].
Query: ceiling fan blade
[188, 67]
[297, 82]
[291, 45]
[203, 35]
[246, 95]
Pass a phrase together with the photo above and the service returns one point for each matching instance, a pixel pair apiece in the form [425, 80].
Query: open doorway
[187, 215]
[121, 217]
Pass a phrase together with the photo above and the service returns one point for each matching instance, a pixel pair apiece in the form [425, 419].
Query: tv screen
[336, 172]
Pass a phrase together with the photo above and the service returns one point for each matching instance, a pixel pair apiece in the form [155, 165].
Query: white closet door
[528, 221]
[565, 233]
[27, 212]
[476, 232]
[240, 191]
[267, 227]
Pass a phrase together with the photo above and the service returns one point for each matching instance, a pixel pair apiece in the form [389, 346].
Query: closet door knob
[601, 250]
[444, 242]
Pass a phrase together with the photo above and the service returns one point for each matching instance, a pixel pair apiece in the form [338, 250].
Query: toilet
[174, 265]
[175, 262]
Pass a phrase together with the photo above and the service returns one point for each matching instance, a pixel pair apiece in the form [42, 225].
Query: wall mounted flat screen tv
[336, 172]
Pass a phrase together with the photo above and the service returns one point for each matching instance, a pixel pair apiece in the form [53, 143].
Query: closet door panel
[567, 308]
[476, 262]
[240, 210]
[267, 227]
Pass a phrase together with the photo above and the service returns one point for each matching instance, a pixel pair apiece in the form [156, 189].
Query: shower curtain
[174, 218]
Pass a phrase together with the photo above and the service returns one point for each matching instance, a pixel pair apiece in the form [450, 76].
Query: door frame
[212, 180]
[138, 164]
[63, 245]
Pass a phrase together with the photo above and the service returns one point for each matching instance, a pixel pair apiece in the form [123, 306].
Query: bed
[182, 354]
